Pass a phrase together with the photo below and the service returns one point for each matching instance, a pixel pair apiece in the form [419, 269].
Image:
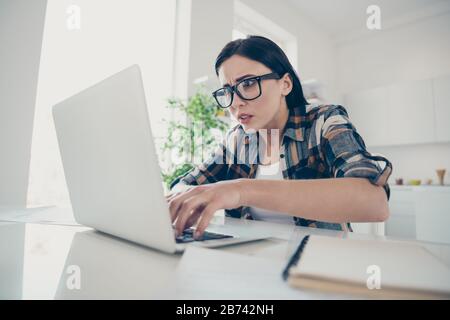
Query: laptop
[111, 166]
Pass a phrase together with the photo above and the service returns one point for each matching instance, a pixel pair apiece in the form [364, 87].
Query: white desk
[33, 258]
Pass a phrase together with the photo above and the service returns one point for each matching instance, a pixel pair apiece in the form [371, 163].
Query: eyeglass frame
[268, 76]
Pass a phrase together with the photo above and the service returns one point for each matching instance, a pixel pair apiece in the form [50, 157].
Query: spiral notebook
[370, 268]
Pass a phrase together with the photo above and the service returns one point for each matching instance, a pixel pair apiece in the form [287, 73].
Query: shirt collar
[295, 125]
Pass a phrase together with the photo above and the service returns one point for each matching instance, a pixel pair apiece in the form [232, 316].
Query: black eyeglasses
[246, 89]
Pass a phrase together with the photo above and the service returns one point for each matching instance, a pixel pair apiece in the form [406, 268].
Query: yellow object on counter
[414, 182]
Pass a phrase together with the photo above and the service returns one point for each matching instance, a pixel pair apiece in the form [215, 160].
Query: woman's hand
[201, 202]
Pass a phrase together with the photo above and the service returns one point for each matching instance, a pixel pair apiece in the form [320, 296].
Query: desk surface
[34, 261]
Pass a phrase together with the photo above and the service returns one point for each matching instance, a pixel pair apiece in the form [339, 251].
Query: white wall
[410, 52]
[211, 29]
[21, 29]
[420, 50]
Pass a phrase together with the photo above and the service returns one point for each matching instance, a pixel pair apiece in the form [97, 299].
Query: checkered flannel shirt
[318, 142]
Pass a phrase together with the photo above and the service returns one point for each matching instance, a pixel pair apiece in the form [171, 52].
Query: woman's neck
[278, 123]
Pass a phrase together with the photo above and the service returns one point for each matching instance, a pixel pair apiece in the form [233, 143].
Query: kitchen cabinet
[416, 213]
[410, 116]
[401, 114]
[402, 219]
[441, 93]
[370, 104]
[432, 208]
[420, 213]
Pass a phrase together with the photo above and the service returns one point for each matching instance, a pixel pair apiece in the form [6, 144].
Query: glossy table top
[37, 261]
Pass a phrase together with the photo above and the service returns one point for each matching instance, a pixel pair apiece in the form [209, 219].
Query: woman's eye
[248, 83]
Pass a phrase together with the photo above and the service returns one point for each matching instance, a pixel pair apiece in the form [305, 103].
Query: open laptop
[111, 167]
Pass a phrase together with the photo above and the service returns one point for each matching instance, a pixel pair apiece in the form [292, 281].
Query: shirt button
[281, 156]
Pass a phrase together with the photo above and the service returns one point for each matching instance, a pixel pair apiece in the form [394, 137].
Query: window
[112, 35]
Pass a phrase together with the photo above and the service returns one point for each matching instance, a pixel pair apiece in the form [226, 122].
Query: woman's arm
[331, 200]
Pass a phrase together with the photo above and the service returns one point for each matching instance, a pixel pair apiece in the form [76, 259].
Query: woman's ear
[286, 84]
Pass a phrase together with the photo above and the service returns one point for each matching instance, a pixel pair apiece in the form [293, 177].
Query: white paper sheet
[217, 274]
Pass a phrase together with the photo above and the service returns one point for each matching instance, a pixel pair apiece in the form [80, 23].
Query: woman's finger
[205, 219]
[177, 200]
[185, 211]
[193, 218]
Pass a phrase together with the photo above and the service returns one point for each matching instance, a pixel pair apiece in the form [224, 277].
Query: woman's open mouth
[245, 118]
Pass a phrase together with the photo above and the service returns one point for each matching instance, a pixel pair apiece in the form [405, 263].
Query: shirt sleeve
[346, 154]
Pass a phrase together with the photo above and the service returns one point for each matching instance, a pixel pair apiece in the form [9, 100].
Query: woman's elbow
[380, 206]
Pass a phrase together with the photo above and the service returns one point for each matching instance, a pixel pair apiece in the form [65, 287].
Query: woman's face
[269, 111]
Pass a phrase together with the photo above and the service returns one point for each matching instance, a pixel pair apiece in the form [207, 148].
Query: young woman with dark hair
[286, 161]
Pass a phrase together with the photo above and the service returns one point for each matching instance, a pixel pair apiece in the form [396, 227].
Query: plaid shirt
[316, 144]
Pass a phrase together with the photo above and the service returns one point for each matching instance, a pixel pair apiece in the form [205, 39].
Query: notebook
[369, 268]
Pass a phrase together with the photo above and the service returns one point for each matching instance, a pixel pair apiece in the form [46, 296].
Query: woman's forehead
[237, 66]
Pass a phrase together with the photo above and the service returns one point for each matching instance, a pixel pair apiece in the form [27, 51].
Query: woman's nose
[237, 101]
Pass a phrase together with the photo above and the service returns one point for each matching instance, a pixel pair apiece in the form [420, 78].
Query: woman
[319, 174]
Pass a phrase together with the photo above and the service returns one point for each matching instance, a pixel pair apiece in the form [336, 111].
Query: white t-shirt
[270, 172]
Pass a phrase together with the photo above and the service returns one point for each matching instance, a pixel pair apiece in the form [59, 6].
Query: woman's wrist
[243, 189]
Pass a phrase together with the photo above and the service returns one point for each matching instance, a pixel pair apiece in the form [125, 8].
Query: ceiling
[340, 17]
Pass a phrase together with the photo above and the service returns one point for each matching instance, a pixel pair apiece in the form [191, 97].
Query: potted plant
[193, 139]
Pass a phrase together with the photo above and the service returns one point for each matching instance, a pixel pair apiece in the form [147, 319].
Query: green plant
[193, 139]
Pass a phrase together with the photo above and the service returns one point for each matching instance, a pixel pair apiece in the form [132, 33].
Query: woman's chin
[250, 129]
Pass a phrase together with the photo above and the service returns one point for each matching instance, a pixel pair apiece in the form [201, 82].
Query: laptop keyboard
[188, 236]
